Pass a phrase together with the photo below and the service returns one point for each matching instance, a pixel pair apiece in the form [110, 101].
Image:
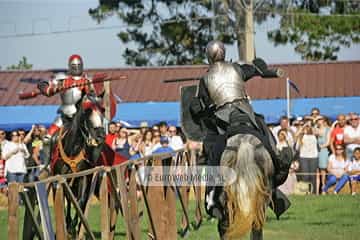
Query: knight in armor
[222, 108]
[70, 100]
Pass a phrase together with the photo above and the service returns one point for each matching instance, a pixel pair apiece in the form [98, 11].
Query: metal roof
[144, 84]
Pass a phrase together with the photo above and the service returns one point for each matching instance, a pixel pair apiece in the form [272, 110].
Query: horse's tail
[248, 195]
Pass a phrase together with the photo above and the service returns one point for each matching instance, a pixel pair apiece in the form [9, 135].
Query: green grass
[330, 217]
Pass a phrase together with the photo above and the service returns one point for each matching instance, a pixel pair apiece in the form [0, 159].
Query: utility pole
[213, 19]
[249, 32]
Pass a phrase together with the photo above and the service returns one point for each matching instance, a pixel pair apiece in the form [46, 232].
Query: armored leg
[53, 129]
[214, 146]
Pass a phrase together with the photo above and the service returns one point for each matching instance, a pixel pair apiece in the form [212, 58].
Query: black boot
[282, 165]
[280, 203]
[100, 140]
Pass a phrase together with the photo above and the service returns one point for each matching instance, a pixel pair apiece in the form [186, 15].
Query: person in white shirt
[354, 170]
[338, 166]
[284, 125]
[14, 153]
[308, 155]
[352, 135]
[175, 141]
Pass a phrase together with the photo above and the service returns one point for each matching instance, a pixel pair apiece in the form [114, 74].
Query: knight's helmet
[76, 65]
[215, 51]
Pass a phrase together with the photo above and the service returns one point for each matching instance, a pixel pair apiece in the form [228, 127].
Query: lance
[182, 79]
[98, 78]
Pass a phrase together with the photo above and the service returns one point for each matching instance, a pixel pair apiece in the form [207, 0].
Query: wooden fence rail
[117, 196]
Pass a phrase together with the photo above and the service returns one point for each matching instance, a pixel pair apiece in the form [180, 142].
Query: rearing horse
[250, 194]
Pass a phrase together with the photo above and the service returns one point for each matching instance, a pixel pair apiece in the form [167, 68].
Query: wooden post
[59, 206]
[162, 207]
[13, 217]
[104, 206]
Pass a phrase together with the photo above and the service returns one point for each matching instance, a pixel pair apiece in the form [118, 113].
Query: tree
[161, 30]
[319, 37]
[173, 32]
[22, 65]
[167, 32]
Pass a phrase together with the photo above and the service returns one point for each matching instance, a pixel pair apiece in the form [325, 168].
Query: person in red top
[337, 132]
[109, 139]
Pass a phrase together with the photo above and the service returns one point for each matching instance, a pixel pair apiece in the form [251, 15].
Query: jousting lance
[97, 78]
[182, 79]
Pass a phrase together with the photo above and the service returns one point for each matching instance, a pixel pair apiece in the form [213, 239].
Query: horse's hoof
[184, 232]
[196, 226]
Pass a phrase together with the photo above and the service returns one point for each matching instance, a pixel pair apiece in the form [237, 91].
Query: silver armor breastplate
[225, 84]
[68, 100]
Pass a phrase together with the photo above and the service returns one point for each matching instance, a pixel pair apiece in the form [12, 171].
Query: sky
[99, 48]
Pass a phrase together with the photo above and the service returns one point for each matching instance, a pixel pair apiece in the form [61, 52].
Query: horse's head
[74, 134]
[79, 144]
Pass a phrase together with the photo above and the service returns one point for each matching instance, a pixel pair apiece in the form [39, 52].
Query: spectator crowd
[325, 153]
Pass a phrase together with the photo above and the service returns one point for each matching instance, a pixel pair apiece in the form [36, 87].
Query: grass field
[329, 217]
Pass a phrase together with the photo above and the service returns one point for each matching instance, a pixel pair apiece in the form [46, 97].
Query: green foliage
[317, 37]
[22, 65]
[167, 32]
[162, 32]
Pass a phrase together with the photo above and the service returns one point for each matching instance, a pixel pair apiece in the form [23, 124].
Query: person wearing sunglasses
[175, 140]
[352, 134]
[338, 166]
[14, 153]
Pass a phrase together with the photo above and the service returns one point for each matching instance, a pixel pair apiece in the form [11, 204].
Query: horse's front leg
[256, 234]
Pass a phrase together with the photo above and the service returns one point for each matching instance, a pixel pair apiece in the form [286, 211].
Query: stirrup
[92, 142]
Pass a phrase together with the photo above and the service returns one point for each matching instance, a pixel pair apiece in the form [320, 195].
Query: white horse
[249, 195]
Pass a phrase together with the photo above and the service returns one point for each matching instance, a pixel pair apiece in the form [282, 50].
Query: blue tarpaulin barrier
[13, 117]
